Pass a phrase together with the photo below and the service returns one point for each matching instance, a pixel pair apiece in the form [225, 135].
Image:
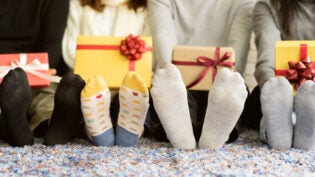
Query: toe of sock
[135, 82]
[94, 85]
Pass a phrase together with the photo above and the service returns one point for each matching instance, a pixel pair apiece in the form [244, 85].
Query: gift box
[36, 66]
[199, 65]
[113, 57]
[295, 60]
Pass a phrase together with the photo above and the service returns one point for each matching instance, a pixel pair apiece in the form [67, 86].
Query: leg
[170, 102]
[277, 106]
[67, 114]
[197, 101]
[15, 97]
[158, 131]
[235, 133]
[304, 132]
[133, 108]
[252, 114]
[225, 104]
[95, 102]
[41, 108]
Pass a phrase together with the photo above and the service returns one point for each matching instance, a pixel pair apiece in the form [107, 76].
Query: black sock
[41, 129]
[15, 98]
[67, 114]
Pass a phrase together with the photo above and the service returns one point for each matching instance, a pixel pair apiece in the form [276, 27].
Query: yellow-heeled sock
[95, 102]
[134, 104]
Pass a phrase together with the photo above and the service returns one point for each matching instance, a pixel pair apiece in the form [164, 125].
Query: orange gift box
[199, 65]
[295, 60]
[111, 58]
[36, 66]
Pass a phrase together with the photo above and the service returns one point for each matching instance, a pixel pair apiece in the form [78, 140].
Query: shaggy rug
[245, 157]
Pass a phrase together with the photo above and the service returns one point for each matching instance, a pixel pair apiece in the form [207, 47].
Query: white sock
[277, 105]
[304, 130]
[170, 101]
[225, 105]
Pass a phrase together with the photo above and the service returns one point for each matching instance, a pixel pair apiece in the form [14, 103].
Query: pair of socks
[278, 103]
[15, 98]
[134, 103]
[225, 104]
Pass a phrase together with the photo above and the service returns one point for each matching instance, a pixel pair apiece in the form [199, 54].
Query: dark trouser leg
[252, 114]
[198, 101]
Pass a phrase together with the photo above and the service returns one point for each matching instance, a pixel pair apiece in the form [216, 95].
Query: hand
[52, 71]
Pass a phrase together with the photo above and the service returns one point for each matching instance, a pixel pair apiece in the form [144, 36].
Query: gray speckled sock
[225, 105]
[304, 132]
[170, 102]
[277, 106]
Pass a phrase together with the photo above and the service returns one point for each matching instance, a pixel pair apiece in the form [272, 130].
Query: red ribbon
[208, 63]
[132, 47]
[300, 71]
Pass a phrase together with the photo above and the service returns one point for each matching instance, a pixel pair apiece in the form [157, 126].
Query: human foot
[67, 114]
[15, 98]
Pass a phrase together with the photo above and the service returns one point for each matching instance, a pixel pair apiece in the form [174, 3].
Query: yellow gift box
[97, 55]
[199, 65]
[295, 61]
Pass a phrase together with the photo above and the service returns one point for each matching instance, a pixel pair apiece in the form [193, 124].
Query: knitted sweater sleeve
[72, 31]
[266, 35]
[162, 27]
[54, 24]
[240, 33]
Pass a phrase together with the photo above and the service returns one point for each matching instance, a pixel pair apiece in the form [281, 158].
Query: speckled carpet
[246, 157]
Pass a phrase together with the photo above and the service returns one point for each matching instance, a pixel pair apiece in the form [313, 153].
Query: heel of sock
[125, 138]
[107, 138]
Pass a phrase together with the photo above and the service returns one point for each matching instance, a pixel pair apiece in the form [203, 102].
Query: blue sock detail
[125, 138]
[105, 139]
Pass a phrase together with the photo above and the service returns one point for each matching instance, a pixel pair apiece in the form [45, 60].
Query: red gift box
[35, 65]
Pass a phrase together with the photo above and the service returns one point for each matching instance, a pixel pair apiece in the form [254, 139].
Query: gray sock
[277, 106]
[170, 102]
[225, 105]
[304, 131]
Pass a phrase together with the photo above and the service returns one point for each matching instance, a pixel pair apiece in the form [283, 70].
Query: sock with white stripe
[95, 102]
[134, 104]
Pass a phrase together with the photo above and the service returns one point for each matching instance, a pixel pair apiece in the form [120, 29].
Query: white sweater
[116, 20]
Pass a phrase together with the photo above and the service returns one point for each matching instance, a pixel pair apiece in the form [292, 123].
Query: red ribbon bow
[302, 70]
[133, 47]
[208, 62]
